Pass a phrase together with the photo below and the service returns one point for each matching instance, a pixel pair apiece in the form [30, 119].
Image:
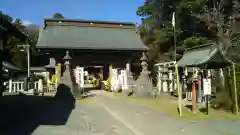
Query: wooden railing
[50, 88]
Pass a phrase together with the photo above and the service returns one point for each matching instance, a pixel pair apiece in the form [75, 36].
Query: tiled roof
[208, 56]
[79, 37]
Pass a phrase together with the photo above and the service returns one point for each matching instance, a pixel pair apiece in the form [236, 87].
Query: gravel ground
[87, 119]
[99, 115]
[150, 122]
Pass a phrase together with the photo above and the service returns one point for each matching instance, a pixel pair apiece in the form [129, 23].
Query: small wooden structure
[205, 57]
[166, 76]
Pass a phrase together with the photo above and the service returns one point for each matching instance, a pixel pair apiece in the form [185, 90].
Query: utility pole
[235, 88]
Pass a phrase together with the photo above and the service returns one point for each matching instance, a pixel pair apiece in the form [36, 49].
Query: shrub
[108, 84]
[53, 78]
[223, 101]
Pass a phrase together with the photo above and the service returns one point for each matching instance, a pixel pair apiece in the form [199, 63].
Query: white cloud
[26, 22]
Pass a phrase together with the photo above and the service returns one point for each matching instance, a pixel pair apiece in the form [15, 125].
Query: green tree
[33, 32]
[9, 18]
[17, 53]
[12, 49]
[197, 22]
[58, 16]
[156, 29]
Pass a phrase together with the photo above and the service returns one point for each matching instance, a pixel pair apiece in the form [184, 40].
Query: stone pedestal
[130, 82]
[68, 77]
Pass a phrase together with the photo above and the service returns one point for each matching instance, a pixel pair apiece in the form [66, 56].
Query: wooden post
[10, 86]
[193, 97]
[159, 80]
[110, 71]
[14, 87]
[40, 85]
[207, 108]
[101, 78]
[235, 89]
[128, 67]
[21, 85]
[17, 86]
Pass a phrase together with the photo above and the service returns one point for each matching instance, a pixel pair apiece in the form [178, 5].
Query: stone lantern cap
[52, 63]
[144, 57]
[67, 56]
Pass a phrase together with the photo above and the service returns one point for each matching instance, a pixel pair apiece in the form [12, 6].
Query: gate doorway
[94, 76]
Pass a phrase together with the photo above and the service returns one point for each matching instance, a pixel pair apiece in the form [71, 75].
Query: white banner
[207, 86]
[80, 76]
[173, 19]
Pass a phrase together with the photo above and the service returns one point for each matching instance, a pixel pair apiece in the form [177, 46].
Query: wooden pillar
[128, 68]
[101, 77]
[193, 97]
[10, 86]
[110, 71]
[235, 88]
[101, 73]
[194, 92]
[1, 44]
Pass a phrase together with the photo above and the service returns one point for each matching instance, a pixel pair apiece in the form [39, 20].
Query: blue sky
[35, 10]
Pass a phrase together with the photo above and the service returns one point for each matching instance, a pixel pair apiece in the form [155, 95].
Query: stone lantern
[144, 85]
[67, 78]
[67, 58]
[144, 65]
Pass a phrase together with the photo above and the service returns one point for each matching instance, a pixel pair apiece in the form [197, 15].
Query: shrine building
[92, 43]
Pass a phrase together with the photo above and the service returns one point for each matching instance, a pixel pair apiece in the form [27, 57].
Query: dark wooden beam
[94, 57]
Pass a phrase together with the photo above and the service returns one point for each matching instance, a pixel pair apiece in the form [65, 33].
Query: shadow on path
[21, 114]
[89, 92]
